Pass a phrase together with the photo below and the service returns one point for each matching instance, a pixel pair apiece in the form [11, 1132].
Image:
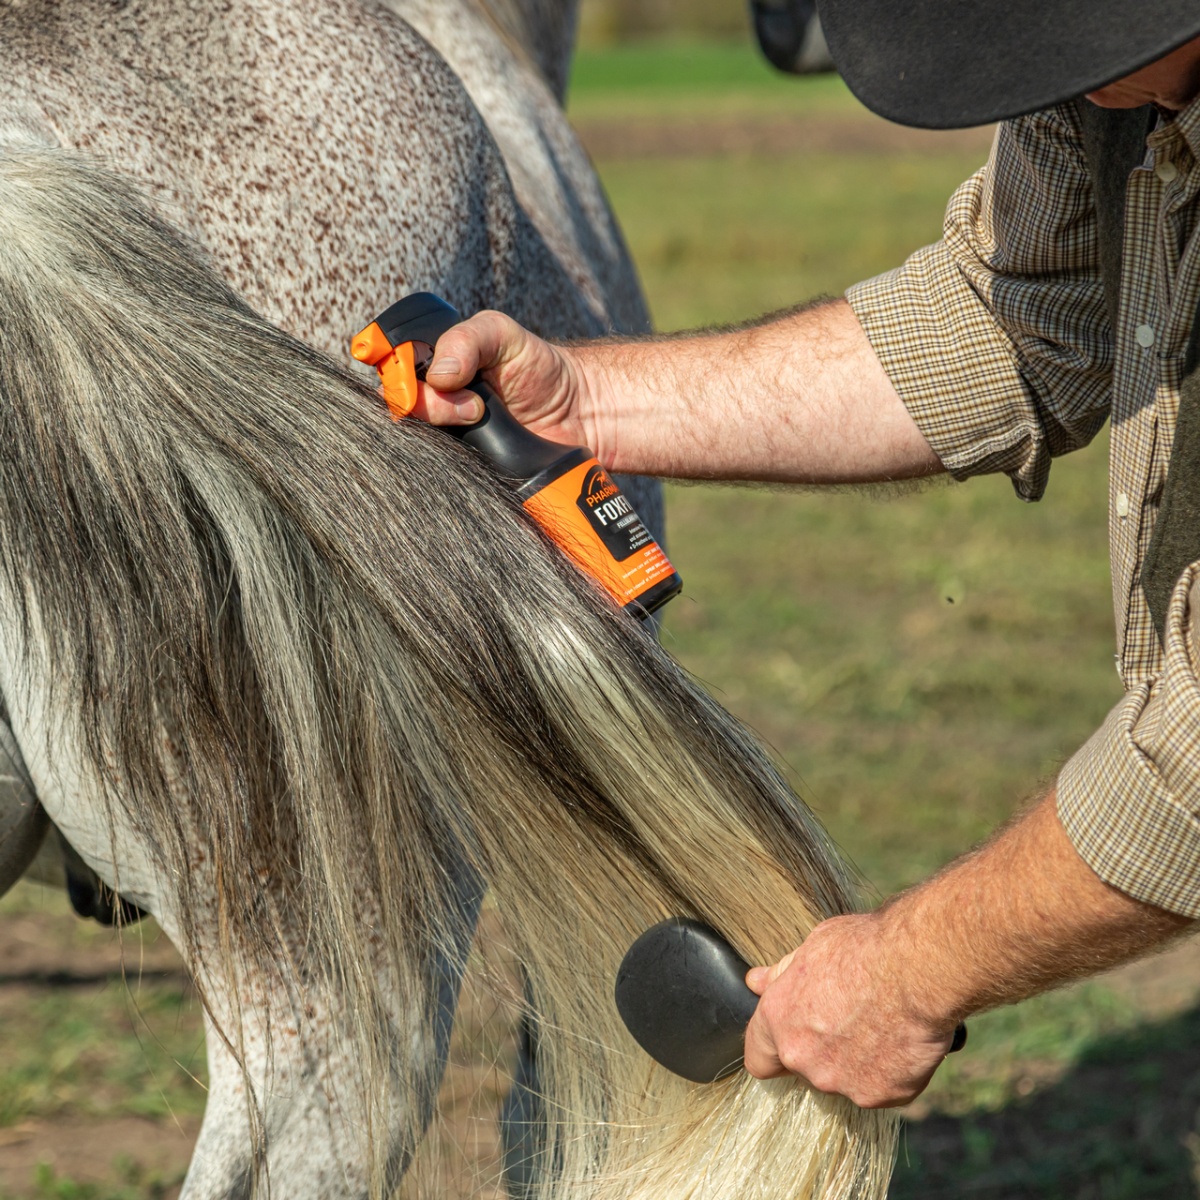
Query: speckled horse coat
[330, 157]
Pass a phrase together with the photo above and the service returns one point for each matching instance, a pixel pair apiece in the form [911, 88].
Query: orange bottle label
[592, 521]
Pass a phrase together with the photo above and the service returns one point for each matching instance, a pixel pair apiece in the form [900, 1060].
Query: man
[990, 351]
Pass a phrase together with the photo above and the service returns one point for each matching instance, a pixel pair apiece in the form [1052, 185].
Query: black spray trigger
[681, 992]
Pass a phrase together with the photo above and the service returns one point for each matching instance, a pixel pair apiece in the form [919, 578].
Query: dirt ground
[120, 1156]
[49, 954]
[89, 1150]
[683, 136]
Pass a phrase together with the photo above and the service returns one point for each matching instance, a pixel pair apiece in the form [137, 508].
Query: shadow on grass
[1121, 1125]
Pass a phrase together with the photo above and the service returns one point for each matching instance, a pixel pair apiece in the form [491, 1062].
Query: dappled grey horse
[296, 678]
[329, 158]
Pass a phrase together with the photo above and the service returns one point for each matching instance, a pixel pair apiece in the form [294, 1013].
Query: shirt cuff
[1129, 800]
[955, 369]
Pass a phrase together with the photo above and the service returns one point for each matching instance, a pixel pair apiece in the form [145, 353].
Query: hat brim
[948, 64]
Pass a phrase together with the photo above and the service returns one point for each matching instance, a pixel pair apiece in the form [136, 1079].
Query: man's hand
[867, 1006]
[833, 1012]
[540, 383]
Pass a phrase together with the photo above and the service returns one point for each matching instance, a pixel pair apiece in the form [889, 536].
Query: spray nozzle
[389, 342]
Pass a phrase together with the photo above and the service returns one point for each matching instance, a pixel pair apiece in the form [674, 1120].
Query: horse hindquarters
[461, 233]
[311, 661]
[294, 1091]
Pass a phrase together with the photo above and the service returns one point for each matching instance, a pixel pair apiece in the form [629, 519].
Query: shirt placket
[1134, 383]
[1157, 314]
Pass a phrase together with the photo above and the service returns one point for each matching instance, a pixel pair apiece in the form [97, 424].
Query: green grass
[722, 238]
[656, 67]
[670, 78]
[1122, 1125]
[130, 1183]
[1010, 1047]
[919, 662]
[111, 1051]
[131, 1046]
[742, 236]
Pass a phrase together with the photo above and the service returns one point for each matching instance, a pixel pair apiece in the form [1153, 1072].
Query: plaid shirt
[998, 340]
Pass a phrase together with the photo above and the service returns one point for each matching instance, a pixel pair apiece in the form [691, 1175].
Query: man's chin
[1116, 96]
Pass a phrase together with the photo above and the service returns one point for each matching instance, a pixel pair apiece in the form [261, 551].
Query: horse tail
[332, 648]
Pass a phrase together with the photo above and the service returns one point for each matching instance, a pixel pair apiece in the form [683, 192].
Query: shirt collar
[1182, 127]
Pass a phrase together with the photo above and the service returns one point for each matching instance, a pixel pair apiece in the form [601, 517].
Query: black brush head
[681, 992]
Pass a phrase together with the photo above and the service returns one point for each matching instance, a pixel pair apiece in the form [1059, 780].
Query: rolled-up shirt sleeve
[1130, 798]
[997, 337]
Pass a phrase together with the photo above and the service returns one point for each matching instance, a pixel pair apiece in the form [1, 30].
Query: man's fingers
[486, 340]
[447, 408]
[760, 1057]
[761, 1054]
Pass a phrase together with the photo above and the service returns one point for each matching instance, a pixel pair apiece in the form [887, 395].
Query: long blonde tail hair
[375, 670]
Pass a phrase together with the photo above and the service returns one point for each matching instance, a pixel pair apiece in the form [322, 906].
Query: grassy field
[918, 662]
[653, 80]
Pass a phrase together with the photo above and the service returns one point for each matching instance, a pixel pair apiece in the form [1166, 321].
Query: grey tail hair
[331, 649]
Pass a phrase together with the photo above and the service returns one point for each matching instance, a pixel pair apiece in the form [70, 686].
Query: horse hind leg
[30, 845]
[523, 1118]
[23, 821]
[287, 1089]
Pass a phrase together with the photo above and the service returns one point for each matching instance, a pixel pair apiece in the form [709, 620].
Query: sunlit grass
[131, 1182]
[107, 1040]
[919, 663]
[724, 239]
[107, 1052]
[673, 78]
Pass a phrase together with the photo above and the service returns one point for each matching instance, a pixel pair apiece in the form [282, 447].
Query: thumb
[758, 979]
[485, 340]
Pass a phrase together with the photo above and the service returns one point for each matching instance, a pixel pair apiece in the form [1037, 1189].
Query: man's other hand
[867, 1006]
[835, 1012]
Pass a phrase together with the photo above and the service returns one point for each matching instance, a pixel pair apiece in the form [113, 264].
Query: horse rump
[327, 676]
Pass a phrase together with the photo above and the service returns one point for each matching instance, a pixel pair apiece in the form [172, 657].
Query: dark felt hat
[944, 64]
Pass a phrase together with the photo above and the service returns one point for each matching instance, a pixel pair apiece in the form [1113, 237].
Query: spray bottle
[564, 488]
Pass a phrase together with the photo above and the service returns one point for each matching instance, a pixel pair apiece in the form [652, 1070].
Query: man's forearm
[1021, 915]
[801, 398]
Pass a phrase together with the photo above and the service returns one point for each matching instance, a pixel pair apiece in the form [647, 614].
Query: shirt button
[1122, 505]
[1166, 171]
[1144, 335]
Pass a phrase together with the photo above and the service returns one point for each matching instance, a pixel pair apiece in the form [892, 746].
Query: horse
[301, 681]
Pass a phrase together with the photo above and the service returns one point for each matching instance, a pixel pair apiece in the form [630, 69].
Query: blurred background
[604, 23]
[919, 662]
